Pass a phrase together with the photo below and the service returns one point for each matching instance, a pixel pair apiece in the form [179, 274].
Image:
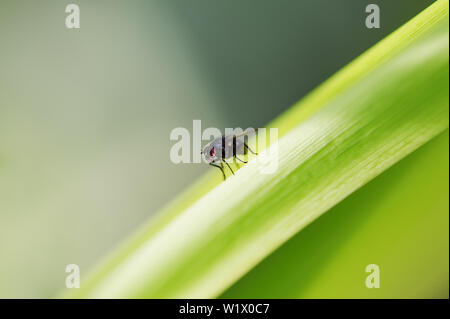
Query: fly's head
[212, 152]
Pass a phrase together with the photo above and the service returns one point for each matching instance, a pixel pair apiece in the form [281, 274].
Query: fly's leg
[234, 153]
[240, 159]
[245, 145]
[219, 167]
[236, 163]
[228, 166]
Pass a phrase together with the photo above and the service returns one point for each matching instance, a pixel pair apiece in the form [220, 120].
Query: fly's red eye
[212, 152]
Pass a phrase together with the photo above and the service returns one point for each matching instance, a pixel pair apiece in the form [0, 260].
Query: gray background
[85, 115]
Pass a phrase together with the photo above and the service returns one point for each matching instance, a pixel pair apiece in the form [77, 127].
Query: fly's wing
[249, 132]
[240, 139]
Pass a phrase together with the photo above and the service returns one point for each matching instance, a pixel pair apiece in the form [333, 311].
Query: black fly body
[222, 148]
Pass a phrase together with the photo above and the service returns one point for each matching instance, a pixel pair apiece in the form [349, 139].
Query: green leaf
[374, 112]
[398, 221]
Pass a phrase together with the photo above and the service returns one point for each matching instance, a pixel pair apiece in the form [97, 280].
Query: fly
[222, 148]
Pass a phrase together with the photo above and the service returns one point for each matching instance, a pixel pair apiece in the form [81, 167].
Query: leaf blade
[344, 139]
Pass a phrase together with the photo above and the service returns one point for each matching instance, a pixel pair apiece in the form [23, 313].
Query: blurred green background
[85, 115]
